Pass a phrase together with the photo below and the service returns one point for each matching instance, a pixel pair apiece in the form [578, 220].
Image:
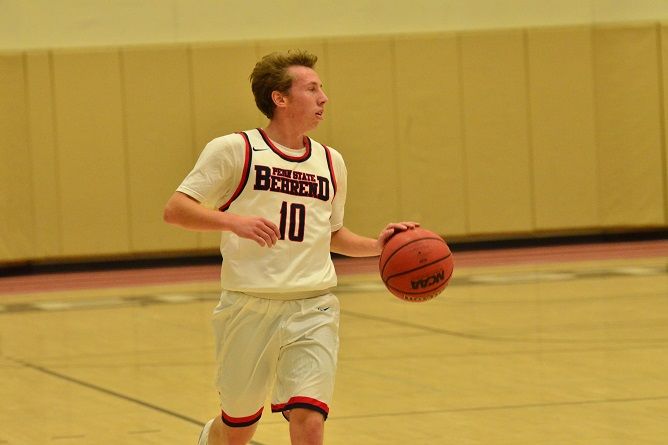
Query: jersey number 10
[296, 214]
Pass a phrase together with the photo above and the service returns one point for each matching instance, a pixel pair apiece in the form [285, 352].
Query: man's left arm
[348, 243]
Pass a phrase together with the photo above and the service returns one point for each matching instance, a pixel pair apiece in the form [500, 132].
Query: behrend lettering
[291, 182]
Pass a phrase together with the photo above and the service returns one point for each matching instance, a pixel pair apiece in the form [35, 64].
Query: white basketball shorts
[292, 345]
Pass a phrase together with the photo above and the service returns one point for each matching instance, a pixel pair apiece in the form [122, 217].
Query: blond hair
[271, 74]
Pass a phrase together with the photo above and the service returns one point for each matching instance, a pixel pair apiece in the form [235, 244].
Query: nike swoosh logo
[323, 309]
[259, 149]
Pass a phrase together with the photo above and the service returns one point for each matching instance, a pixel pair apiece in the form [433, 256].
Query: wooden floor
[562, 345]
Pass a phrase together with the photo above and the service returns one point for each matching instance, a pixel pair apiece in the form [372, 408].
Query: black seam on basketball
[417, 268]
[446, 281]
[404, 245]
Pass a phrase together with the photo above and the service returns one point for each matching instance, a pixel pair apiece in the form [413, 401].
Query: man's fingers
[269, 233]
[272, 227]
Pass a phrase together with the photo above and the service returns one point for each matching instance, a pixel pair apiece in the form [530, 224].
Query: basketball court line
[509, 407]
[55, 361]
[507, 353]
[499, 339]
[111, 393]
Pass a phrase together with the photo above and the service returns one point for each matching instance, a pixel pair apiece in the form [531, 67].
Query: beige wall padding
[91, 153]
[158, 125]
[496, 133]
[629, 125]
[428, 128]
[664, 103]
[16, 191]
[44, 174]
[563, 129]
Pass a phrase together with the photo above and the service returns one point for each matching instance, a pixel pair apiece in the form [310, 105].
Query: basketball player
[277, 196]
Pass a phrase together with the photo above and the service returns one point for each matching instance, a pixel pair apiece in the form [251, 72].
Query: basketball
[416, 265]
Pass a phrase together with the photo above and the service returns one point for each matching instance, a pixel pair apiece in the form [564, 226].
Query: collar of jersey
[287, 157]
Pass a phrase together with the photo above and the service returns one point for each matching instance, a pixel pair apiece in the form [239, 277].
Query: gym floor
[536, 345]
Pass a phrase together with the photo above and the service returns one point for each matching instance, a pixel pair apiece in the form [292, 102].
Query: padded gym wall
[629, 134]
[16, 212]
[158, 128]
[496, 133]
[91, 156]
[432, 173]
[475, 134]
[563, 132]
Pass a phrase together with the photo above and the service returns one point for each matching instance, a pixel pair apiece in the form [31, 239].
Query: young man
[277, 196]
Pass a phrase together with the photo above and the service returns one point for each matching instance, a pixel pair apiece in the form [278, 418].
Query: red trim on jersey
[244, 174]
[330, 164]
[240, 421]
[305, 156]
[301, 402]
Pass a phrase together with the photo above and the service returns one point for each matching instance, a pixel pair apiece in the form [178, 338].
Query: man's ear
[278, 98]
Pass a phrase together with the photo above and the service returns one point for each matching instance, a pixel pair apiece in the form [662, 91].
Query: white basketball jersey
[295, 193]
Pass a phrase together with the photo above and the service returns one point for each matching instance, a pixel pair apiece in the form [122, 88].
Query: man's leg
[307, 427]
[306, 367]
[247, 349]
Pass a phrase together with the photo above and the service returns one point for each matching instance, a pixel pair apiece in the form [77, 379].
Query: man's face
[305, 101]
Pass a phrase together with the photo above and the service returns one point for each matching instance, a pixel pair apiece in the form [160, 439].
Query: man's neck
[285, 135]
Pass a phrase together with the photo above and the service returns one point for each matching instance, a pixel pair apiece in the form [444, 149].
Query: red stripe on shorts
[301, 402]
[241, 421]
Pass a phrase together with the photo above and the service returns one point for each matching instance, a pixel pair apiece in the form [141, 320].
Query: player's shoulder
[334, 153]
[225, 149]
[336, 156]
[228, 141]
[232, 144]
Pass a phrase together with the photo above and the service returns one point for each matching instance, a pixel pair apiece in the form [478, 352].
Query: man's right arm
[184, 211]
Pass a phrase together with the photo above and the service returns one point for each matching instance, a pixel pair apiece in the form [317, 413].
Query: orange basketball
[416, 264]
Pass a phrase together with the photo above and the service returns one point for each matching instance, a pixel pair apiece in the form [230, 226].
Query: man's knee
[307, 420]
[225, 435]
